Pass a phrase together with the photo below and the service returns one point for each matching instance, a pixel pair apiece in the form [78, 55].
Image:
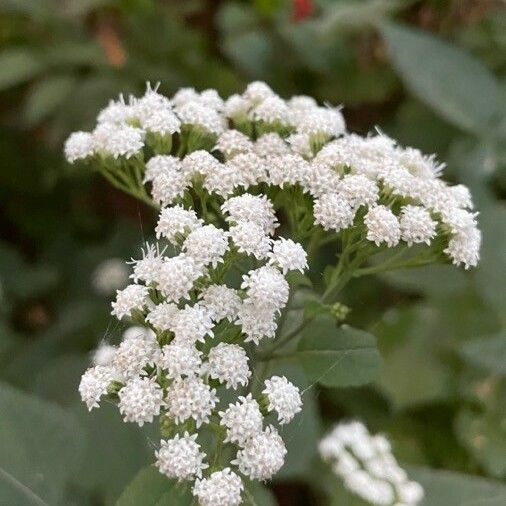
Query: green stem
[416, 262]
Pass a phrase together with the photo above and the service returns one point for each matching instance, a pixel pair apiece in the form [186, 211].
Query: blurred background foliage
[431, 73]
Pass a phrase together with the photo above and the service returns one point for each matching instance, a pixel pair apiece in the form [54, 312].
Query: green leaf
[485, 437]
[445, 488]
[497, 501]
[338, 357]
[39, 449]
[487, 353]
[454, 83]
[115, 451]
[18, 66]
[150, 488]
[490, 277]
[46, 96]
[256, 494]
[432, 279]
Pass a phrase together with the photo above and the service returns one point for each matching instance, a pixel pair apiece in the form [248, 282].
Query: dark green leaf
[496, 501]
[338, 357]
[39, 449]
[451, 81]
[445, 488]
[115, 451]
[150, 488]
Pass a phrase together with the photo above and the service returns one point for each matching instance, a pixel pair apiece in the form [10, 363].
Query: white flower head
[358, 190]
[223, 180]
[250, 238]
[228, 363]
[167, 186]
[272, 110]
[255, 208]
[158, 165]
[211, 98]
[190, 398]
[197, 114]
[222, 488]
[140, 400]
[162, 121]
[301, 144]
[201, 163]
[257, 91]
[367, 466]
[288, 255]
[162, 316]
[236, 107]
[135, 353]
[333, 212]
[207, 245]
[256, 322]
[183, 96]
[243, 420]
[321, 121]
[118, 140]
[284, 398]
[79, 146]
[180, 360]
[263, 455]
[177, 276]
[94, 384]
[464, 248]
[372, 490]
[249, 169]
[104, 354]
[266, 288]
[416, 224]
[150, 103]
[320, 180]
[138, 332]
[270, 145]
[221, 302]
[192, 324]
[382, 226]
[461, 196]
[287, 169]
[458, 220]
[116, 112]
[180, 458]
[133, 297]
[232, 143]
[410, 492]
[146, 269]
[176, 222]
[418, 164]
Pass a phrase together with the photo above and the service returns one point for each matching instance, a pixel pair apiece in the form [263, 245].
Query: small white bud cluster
[296, 143]
[367, 466]
[173, 368]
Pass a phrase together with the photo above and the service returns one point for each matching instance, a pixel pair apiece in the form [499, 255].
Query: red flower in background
[302, 9]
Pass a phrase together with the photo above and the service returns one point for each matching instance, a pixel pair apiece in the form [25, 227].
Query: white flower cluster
[196, 151]
[395, 193]
[178, 363]
[367, 466]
